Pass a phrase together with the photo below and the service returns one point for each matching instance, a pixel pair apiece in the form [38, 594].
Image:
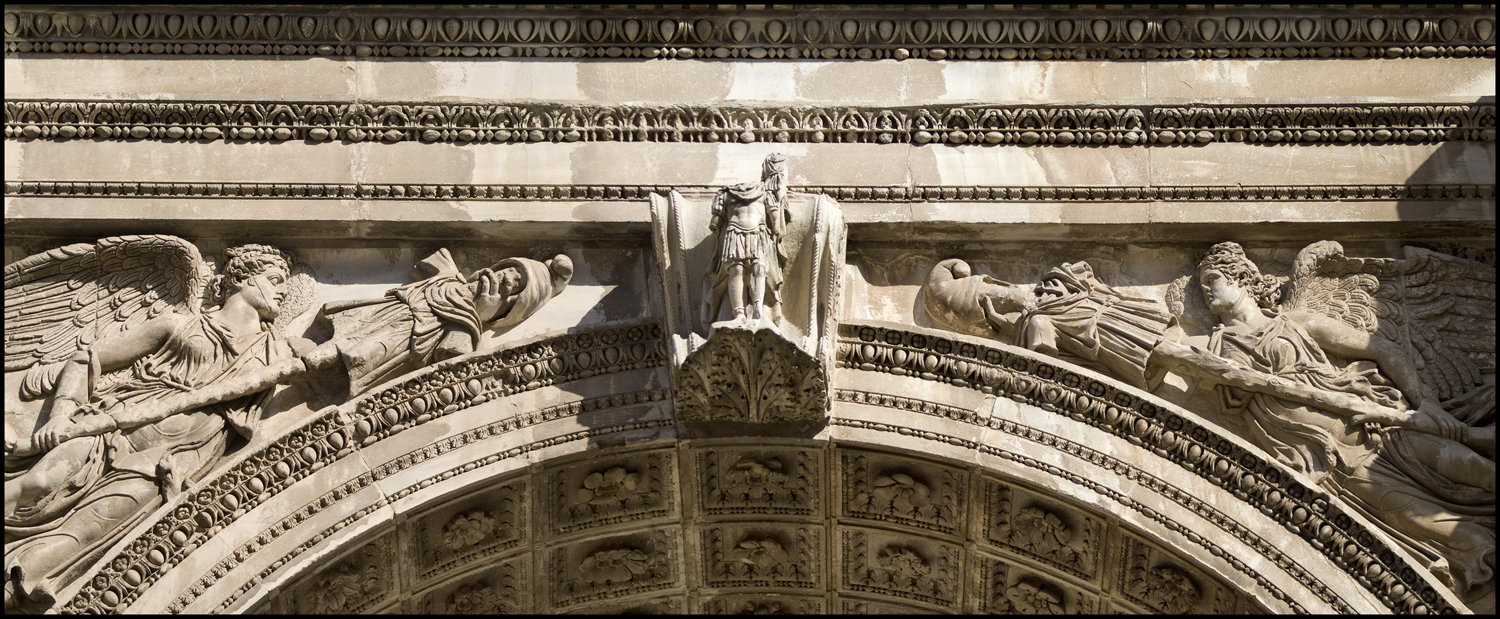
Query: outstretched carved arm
[1345, 341]
[75, 382]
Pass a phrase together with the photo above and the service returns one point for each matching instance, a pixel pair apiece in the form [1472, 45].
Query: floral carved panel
[502, 589]
[625, 488]
[360, 582]
[1013, 589]
[1029, 525]
[901, 566]
[902, 491]
[737, 480]
[605, 569]
[1161, 583]
[468, 530]
[760, 556]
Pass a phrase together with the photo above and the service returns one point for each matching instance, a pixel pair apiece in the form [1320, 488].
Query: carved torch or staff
[87, 422]
[1194, 361]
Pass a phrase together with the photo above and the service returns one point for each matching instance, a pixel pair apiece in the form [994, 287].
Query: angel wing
[1440, 308]
[63, 300]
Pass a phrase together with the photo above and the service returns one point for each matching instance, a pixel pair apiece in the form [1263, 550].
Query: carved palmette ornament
[751, 377]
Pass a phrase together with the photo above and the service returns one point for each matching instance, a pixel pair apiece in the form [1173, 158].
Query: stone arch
[960, 475]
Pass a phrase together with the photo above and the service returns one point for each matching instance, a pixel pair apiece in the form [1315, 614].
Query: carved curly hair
[246, 261]
[1229, 258]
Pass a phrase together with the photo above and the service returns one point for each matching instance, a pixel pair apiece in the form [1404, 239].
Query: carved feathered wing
[63, 300]
[1450, 309]
[1440, 308]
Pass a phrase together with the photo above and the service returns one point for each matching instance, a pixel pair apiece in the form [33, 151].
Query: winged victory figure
[104, 333]
[1374, 377]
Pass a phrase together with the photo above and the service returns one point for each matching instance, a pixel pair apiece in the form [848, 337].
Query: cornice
[843, 193]
[760, 32]
[514, 123]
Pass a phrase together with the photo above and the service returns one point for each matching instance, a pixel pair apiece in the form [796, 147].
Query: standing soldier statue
[749, 220]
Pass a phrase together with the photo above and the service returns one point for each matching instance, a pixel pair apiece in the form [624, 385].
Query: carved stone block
[900, 566]
[624, 488]
[760, 556]
[761, 604]
[613, 567]
[502, 589]
[754, 381]
[361, 581]
[902, 491]
[468, 530]
[1162, 583]
[740, 480]
[1007, 588]
[1024, 523]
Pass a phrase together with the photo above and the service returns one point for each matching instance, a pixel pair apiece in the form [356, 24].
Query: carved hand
[488, 297]
[58, 429]
[1447, 426]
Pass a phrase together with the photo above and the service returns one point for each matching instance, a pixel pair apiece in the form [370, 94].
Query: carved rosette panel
[361, 581]
[783, 482]
[902, 491]
[627, 488]
[761, 604]
[760, 556]
[604, 569]
[754, 377]
[1014, 590]
[901, 566]
[468, 530]
[1161, 583]
[1026, 524]
[502, 589]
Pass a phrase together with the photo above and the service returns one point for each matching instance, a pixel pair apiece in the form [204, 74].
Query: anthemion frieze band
[1083, 309]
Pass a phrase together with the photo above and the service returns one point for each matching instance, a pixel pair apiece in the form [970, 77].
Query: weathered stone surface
[465, 263]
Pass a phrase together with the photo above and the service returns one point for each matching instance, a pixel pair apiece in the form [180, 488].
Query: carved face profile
[265, 291]
[1220, 291]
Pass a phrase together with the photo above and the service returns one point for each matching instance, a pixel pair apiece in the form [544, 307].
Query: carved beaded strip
[334, 433]
[1251, 477]
[1224, 521]
[180, 121]
[843, 193]
[1128, 33]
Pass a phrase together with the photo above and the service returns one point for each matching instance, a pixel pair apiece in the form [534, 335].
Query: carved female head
[1225, 270]
[260, 273]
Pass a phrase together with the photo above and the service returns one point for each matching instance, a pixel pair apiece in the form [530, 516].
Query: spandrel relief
[1374, 377]
[132, 366]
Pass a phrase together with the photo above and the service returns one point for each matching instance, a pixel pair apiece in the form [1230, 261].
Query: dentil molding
[998, 32]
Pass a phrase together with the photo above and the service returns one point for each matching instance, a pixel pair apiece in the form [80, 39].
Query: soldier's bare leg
[737, 289]
[758, 288]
